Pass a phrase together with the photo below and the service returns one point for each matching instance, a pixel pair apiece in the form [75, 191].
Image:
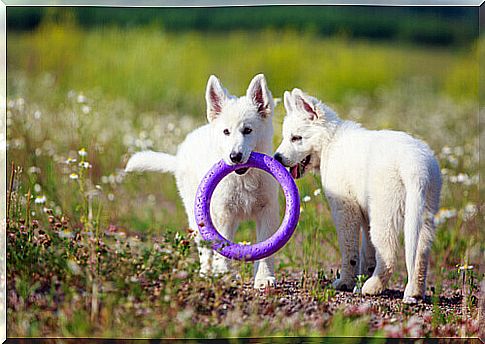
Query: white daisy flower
[82, 152]
[81, 98]
[40, 200]
[85, 164]
[86, 109]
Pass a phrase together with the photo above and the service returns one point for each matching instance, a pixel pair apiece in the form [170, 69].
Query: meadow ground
[92, 251]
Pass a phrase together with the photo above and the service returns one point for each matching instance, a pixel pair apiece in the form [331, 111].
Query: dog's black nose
[236, 157]
[278, 157]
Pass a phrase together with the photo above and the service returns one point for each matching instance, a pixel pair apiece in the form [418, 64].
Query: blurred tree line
[443, 26]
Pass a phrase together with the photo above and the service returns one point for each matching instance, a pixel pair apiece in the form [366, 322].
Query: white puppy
[379, 181]
[237, 126]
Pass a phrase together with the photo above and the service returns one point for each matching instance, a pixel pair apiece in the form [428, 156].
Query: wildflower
[446, 150]
[453, 160]
[70, 161]
[34, 169]
[40, 200]
[37, 114]
[65, 234]
[443, 215]
[37, 188]
[182, 274]
[74, 267]
[244, 242]
[82, 152]
[307, 199]
[86, 109]
[461, 177]
[301, 210]
[469, 211]
[81, 98]
[85, 164]
[178, 236]
[317, 192]
[464, 267]
[73, 176]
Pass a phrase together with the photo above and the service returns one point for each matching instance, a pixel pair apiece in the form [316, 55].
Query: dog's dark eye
[295, 138]
[226, 132]
[247, 131]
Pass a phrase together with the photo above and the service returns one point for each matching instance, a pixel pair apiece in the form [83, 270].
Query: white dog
[380, 181]
[237, 126]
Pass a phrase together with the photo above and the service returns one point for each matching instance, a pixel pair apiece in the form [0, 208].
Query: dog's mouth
[299, 169]
[241, 171]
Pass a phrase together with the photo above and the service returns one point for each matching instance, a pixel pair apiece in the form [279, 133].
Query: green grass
[114, 92]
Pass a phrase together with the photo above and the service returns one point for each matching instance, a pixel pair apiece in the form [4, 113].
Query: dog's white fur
[379, 181]
[253, 195]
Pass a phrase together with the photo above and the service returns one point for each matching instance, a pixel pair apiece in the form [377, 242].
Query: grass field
[95, 252]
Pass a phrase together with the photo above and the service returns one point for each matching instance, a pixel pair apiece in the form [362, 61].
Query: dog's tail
[152, 161]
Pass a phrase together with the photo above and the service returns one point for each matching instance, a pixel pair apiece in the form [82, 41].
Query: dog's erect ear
[305, 103]
[259, 94]
[288, 101]
[215, 96]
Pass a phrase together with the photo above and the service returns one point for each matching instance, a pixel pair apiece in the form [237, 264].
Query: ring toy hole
[259, 250]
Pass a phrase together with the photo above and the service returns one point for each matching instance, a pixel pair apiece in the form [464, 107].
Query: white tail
[413, 221]
[151, 161]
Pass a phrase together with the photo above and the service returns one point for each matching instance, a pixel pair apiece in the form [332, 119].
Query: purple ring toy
[262, 249]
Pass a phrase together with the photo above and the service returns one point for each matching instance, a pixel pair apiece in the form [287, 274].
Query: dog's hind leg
[416, 286]
[267, 222]
[348, 220]
[385, 222]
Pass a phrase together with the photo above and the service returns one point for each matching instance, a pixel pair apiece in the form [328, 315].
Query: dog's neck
[325, 132]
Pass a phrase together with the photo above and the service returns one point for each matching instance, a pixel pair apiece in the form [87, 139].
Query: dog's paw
[372, 286]
[409, 300]
[263, 282]
[204, 271]
[412, 295]
[220, 266]
[343, 284]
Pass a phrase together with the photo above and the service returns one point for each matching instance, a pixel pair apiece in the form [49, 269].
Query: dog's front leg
[267, 222]
[226, 224]
[348, 219]
[367, 252]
